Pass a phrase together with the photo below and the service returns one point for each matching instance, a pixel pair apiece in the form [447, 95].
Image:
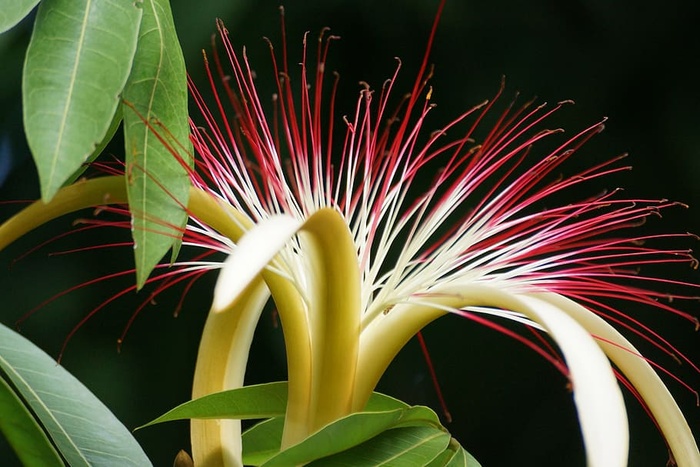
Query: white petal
[599, 401]
[252, 253]
[597, 394]
[640, 373]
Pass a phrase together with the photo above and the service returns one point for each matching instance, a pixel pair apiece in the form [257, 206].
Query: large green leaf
[156, 94]
[84, 431]
[113, 127]
[78, 61]
[413, 445]
[23, 432]
[354, 429]
[377, 433]
[262, 441]
[454, 456]
[379, 402]
[255, 402]
[13, 11]
[249, 402]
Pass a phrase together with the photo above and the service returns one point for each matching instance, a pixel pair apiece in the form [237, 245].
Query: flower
[359, 251]
[358, 254]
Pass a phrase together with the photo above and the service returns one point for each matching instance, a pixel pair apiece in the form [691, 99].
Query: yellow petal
[642, 376]
[221, 364]
[596, 391]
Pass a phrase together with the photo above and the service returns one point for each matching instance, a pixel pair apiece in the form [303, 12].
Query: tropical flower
[362, 240]
[366, 229]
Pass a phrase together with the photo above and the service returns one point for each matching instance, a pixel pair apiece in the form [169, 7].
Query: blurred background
[630, 61]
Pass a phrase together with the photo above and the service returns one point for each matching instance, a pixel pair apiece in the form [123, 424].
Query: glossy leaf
[262, 441]
[113, 127]
[379, 402]
[256, 402]
[23, 432]
[414, 445]
[78, 61]
[14, 11]
[352, 430]
[156, 94]
[83, 430]
[249, 402]
[454, 456]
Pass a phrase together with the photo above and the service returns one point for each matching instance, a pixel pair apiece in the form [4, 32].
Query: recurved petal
[221, 363]
[642, 376]
[597, 395]
[599, 402]
[253, 252]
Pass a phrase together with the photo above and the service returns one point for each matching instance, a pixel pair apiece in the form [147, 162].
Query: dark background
[631, 61]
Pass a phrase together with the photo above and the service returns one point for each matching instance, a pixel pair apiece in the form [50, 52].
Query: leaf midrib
[10, 369]
[146, 137]
[71, 87]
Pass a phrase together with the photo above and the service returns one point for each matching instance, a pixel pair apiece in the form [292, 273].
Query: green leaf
[352, 430]
[23, 432]
[262, 441]
[414, 445]
[454, 456]
[249, 402]
[116, 121]
[256, 402]
[78, 61]
[13, 11]
[84, 431]
[462, 458]
[381, 402]
[156, 95]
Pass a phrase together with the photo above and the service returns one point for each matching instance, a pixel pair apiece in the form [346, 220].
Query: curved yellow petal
[334, 314]
[599, 402]
[83, 194]
[257, 247]
[221, 364]
[642, 376]
[320, 317]
[252, 254]
[596, 392]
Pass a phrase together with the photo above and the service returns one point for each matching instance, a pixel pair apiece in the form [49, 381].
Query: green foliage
[356, 429]
[454, 456]
[24, 434]
[262, 441]
[414, 445]
[113, 127]
[79, 426]
[250, 402]
[13, 11]
[84, 57]
[386, 432]
[78, 61]
[157, 183]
